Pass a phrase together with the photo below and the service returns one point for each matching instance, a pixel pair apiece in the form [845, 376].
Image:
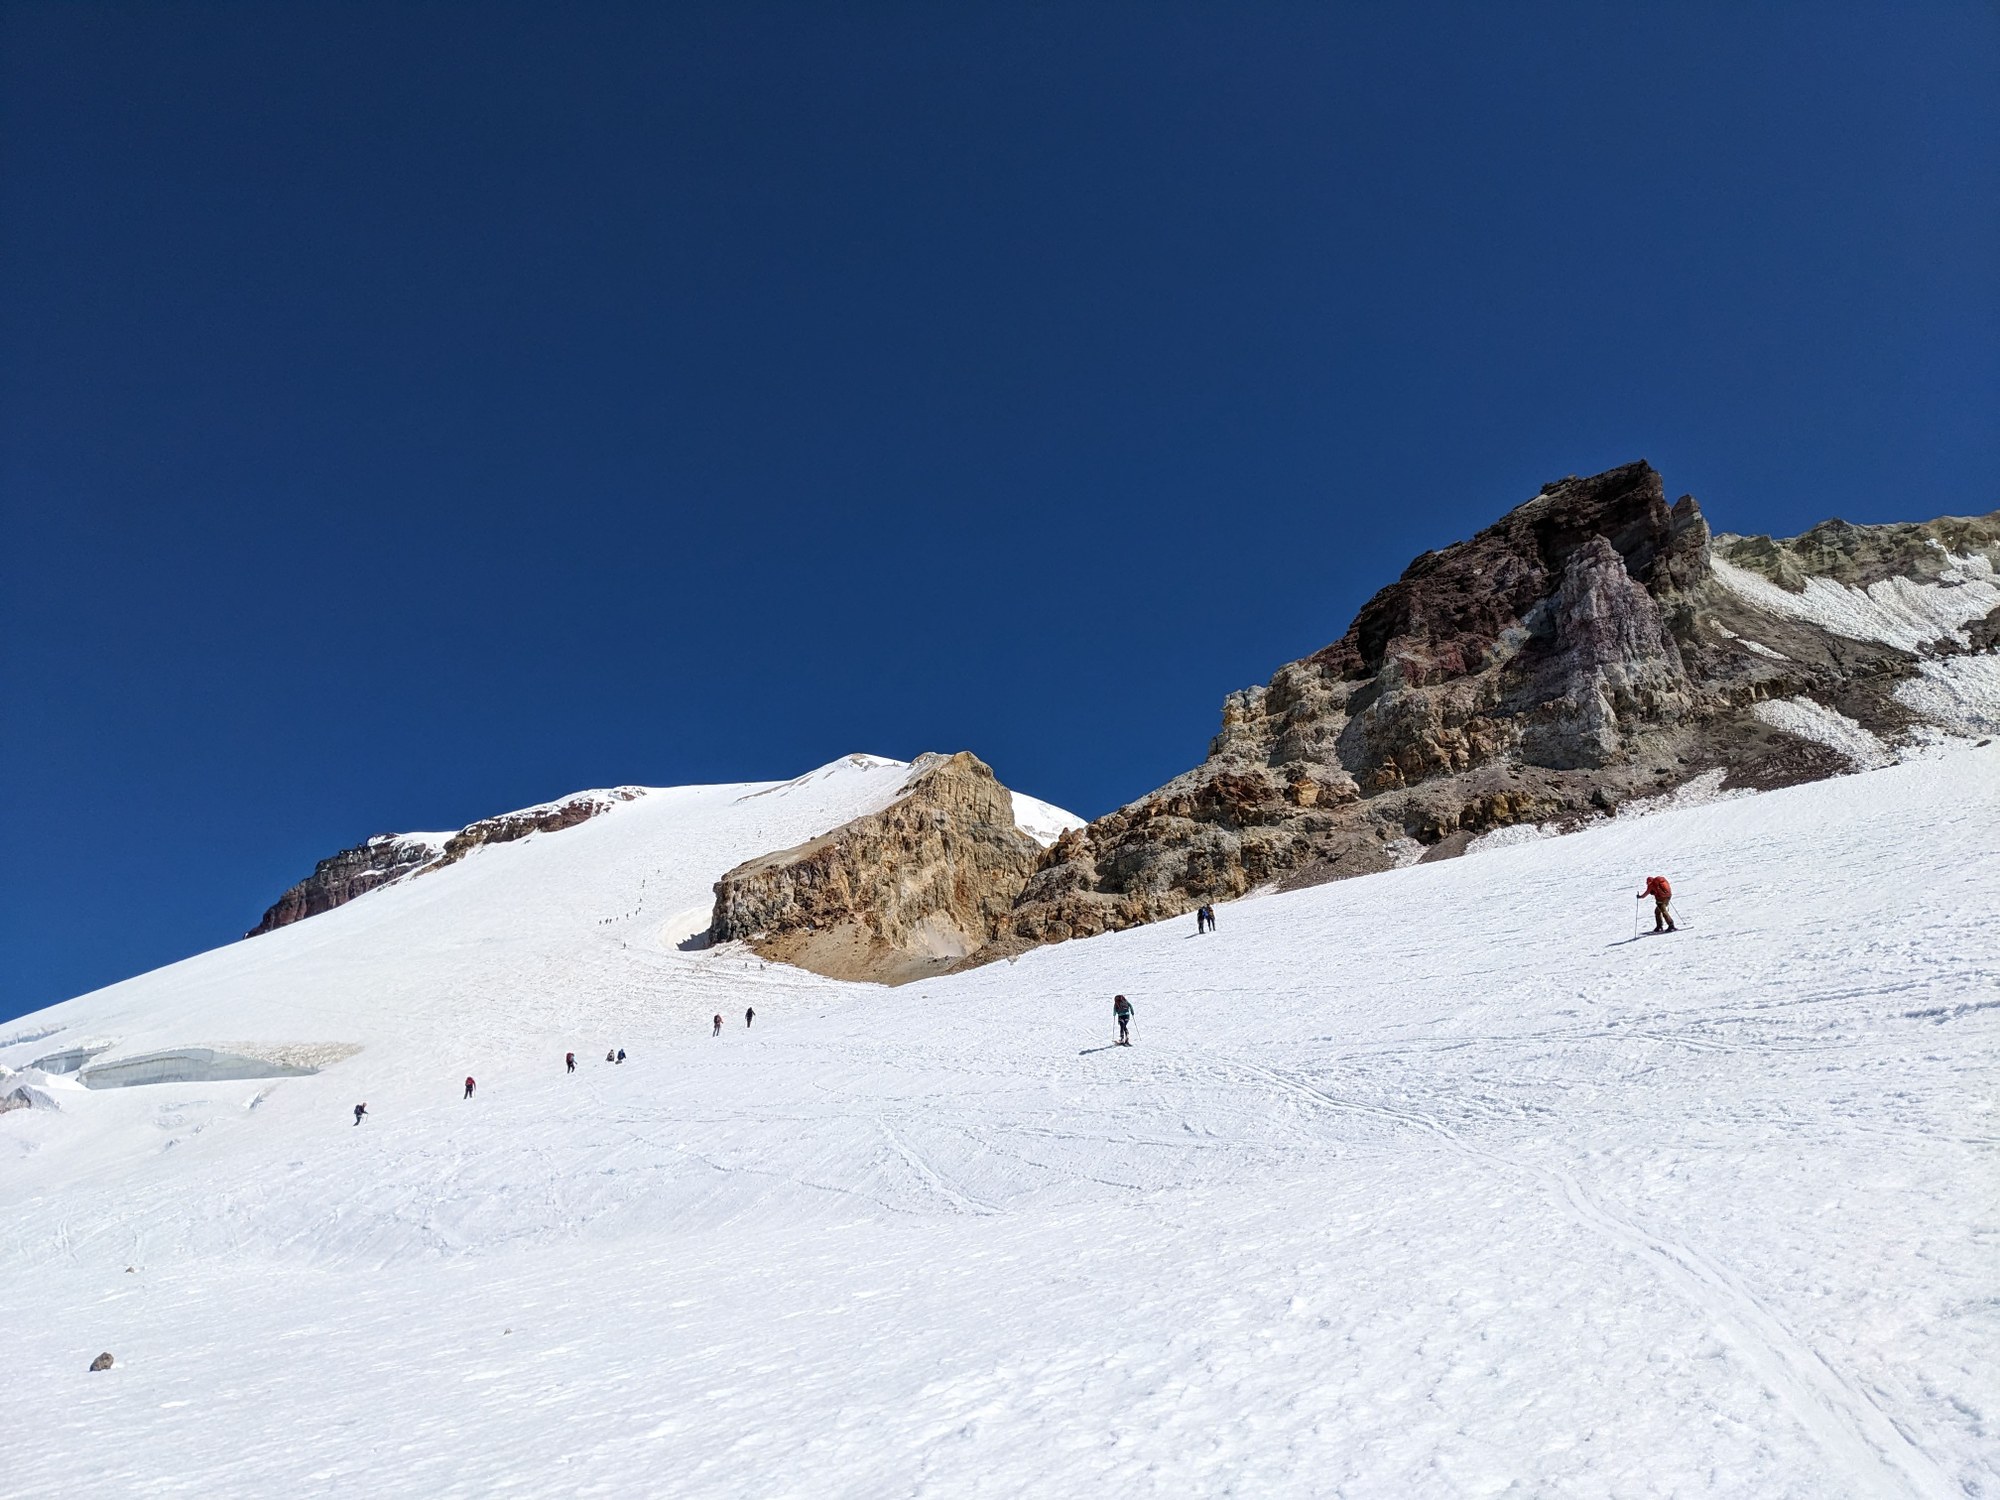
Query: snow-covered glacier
[1438, 1182]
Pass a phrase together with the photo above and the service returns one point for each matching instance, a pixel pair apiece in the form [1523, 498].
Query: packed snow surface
[1435, 1183]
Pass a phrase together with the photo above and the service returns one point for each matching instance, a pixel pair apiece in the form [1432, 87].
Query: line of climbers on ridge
[615, 1056]
[1657, 886]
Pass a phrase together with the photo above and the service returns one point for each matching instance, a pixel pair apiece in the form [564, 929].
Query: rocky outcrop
[912, 890]
[1581, 652]
[1858, 556]
[390, 857]
[339, 878]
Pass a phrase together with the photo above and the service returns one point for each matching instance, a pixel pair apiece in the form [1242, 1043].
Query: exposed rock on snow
[1861, 556]
[1593, 648]
[896, 894]
[390, 857]
[102, 1362]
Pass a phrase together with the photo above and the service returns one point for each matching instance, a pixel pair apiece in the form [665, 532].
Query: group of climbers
[614, 1056]
[1657, 887]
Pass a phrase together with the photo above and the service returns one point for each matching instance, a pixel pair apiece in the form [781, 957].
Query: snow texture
[1433, 1183]
[1959, 693]
[1900, 612]
[1825, 726]
[1043, 822]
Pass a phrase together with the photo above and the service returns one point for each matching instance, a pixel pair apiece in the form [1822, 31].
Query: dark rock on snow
[389, 857]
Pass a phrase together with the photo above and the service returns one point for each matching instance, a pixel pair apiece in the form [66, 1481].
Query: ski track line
[918, 1164]
[1845, 1421]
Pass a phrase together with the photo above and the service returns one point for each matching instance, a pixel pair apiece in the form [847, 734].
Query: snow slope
[1433, 1183]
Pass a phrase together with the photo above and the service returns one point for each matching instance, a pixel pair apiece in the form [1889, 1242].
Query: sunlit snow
[1433, 1183]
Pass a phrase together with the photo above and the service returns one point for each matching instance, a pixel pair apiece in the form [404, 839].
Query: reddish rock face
[337, 880]
[1577, 653]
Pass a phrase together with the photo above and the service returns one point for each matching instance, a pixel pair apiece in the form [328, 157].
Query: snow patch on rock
[1959, 694]
[1749, 645]
[1825, 726]
[1898, 612]
[1041, 821]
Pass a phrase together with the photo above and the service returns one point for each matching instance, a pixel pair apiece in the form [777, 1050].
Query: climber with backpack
[1663, 895]
[1121, 1011]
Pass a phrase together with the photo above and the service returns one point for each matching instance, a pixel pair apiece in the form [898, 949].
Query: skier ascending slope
[569, 1062]
[469, 1086]
[718, 1025]
[1121, 1008]
[1662, 894]
[749, 1015]
[359, 1111]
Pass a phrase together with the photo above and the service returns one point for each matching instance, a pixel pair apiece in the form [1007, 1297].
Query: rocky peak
[893, 895]
[1580, 652]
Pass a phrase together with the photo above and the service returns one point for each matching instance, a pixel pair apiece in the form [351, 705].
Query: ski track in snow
[1844, 1421]
[1434, 1183]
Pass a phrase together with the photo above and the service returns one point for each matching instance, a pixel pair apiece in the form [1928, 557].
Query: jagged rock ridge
[390, 857]
[911, 890]
[1581, 652]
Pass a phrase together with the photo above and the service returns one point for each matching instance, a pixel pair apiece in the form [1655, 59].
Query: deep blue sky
[411, 412]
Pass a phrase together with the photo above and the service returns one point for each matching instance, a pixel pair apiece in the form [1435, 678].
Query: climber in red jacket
[469, 1086]
[1662, 894]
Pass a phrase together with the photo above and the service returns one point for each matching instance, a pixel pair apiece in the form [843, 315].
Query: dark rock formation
[908, 891]
[338, 879]
[1577, 654]
[390, 857]
[102, 1362]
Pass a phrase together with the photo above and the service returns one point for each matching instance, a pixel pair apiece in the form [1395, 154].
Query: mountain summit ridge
[1594, 646]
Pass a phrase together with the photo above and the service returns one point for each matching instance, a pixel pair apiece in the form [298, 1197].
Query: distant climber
[1204, 918]
[1121, 1008]
[469, 1086]
[611, 1056]
[749, 1015]
[718, 1026]
[569, 1062]
[359, 1111]
[621, 1054]
[1663, 895]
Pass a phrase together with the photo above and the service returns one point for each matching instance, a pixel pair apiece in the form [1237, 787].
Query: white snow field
[1434, 1183]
